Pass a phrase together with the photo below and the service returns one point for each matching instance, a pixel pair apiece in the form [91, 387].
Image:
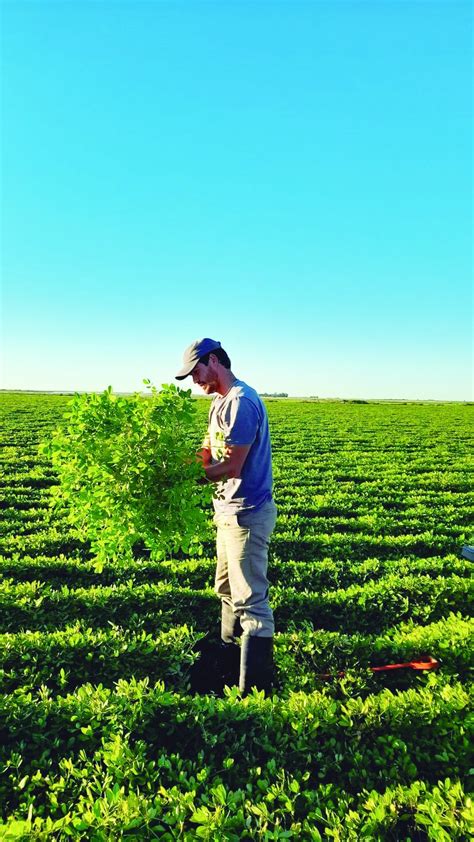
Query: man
[236, 455]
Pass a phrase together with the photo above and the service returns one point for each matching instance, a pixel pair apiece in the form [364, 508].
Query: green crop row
[65, 659]
[34, 605]
[353, 743]
[288, 545]
[23, 498]
[304, 655]
[199, 573]
[295, 503]
[449, 522]
[299, 477]
[378, 522]
[335, 500]
[355, 548]
[26, 523]
[50, 541]
[376, 605]
[272, 805]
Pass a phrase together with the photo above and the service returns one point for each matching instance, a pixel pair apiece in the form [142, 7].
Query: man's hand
[204, 456]
[231, 466]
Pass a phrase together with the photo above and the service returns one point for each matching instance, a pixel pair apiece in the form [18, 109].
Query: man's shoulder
[239, 393]
[248, 401]
[240, 389]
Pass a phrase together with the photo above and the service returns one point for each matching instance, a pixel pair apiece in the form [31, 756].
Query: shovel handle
[427, 664]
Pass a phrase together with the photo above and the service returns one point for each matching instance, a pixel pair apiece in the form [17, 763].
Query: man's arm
[204, 455]
[231, 466]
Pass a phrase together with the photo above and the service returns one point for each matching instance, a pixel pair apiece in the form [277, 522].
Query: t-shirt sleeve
[241, 422]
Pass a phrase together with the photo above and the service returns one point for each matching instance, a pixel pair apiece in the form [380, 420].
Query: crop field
[100, 735]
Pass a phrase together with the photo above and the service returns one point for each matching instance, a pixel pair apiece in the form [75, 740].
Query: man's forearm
[219, 471]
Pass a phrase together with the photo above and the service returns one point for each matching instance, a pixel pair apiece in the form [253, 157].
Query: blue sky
[293, 179]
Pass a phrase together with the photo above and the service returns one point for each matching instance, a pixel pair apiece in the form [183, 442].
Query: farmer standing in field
[236, 455]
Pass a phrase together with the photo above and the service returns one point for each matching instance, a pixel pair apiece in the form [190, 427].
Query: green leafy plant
[128, 473]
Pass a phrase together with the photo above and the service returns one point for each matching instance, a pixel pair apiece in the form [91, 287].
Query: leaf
[201, 816]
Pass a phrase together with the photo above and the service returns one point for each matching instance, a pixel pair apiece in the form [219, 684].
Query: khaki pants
[242, 561]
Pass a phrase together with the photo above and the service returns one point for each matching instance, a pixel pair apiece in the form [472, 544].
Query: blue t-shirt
[240, 418]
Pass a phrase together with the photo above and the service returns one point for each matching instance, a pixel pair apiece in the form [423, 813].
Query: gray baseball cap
[193, 354]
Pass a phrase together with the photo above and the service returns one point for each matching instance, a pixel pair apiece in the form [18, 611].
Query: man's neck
[225, 382]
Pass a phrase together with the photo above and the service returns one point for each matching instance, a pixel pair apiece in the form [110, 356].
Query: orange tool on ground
[427, 664]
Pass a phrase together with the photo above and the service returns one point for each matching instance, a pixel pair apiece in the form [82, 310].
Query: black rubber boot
[217, 666]
[230, 623]
[230, 664]
[256, 663]
[230, 651]
[219, 661]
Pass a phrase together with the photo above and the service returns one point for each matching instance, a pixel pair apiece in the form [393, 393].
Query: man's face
[206, 376]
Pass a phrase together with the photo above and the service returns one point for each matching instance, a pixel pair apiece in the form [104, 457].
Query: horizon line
[314, 398]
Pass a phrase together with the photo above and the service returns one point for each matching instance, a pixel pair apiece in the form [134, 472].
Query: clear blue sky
[293, 179]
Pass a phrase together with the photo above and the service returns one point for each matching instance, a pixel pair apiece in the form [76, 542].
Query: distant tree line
[274, 394]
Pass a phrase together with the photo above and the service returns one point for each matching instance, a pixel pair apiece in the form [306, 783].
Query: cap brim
[185, 372]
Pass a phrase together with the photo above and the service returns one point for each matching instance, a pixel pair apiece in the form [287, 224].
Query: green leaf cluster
[128, 473]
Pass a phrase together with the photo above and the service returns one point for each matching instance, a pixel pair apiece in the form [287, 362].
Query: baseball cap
[193, 354]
